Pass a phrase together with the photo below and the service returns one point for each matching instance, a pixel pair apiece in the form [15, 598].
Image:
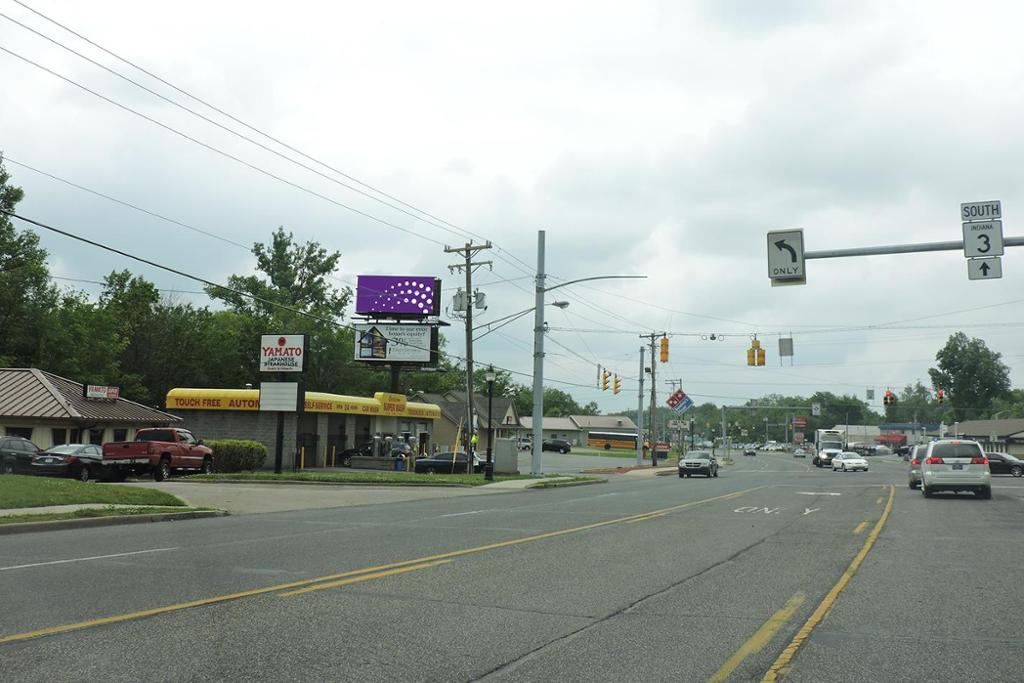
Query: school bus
[610, 440]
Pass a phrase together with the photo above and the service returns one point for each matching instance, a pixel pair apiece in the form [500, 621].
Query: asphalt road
[775, 567]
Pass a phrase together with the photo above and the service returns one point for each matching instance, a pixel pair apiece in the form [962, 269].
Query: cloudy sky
[659, 139]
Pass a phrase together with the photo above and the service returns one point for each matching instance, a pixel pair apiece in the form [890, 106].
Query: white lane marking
[459, 514]
[808, 511]
[85, 559]
[816, 493]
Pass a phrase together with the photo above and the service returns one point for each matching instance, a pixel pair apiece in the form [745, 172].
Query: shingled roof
[30, 393]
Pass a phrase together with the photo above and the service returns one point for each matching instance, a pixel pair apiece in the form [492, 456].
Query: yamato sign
[283, 353]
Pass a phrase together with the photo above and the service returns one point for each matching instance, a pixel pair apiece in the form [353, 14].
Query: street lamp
[489, 467]
[538, 347]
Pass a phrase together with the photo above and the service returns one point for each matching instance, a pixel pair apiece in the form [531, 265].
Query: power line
[432, 219]
[248, 295]
[220, 152]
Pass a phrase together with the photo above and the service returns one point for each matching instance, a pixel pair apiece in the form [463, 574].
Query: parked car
[560, 445]
[955, 465]
[698, 462]
[749, 450]
[157, 451]
[344, 458]
[83, 461]
[447, 463]
[915, 454]
[16, 455]
[1004, 463]
[525, 444]
[848, 461]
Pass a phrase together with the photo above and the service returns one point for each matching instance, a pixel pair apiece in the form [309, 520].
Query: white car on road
[848, 461]
[955, 465]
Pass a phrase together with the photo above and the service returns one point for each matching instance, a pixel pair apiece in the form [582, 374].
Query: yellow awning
[382, 404]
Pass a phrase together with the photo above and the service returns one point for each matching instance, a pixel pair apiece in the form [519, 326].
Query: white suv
[954, 465]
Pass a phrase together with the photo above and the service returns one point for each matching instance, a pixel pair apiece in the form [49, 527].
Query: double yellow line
[783, 662]
[355, 576]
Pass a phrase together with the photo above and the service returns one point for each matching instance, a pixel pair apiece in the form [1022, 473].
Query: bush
[235, 455]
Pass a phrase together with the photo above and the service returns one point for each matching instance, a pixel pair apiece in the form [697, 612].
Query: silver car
[955, 465]
[915, 454]
[698, 462]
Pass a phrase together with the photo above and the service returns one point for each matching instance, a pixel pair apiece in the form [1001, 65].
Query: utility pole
[640, 414]
[468, 267]
[654, 394]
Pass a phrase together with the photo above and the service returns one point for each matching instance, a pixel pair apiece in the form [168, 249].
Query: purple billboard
[401, 295]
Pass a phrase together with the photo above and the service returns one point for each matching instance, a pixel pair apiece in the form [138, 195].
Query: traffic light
[755, 354]
[941, 395]
[890, 398]
[664, 349]
[604, 380]
[616, 385]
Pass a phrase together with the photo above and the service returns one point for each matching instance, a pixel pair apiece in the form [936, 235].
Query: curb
[278, 482]
[561, 484]
[113, 520]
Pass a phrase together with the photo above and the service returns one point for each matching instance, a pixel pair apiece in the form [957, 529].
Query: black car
[79, 460]
[345, 457]
[560, 445]
[1003, 463]
[447, 463]
[16, 455]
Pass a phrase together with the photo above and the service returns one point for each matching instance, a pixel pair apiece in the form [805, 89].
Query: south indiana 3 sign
[283, 353]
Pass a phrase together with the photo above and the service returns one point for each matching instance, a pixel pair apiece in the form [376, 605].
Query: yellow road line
[130, 616]
[781, 665]
[363, 577]
[761, 638]
[859, 528]
[647, 517]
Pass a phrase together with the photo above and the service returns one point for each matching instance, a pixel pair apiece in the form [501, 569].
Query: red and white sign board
[97, 391]
[675, 398]
[283, 353]
[800, 422]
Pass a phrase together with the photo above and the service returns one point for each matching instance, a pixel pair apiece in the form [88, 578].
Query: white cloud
[655, 138]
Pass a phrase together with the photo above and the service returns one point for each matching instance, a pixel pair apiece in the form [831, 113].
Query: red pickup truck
[158, 451]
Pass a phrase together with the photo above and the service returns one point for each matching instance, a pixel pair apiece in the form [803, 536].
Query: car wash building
[328, 424]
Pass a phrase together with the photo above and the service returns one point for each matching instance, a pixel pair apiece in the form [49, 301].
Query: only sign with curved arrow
[786, 257]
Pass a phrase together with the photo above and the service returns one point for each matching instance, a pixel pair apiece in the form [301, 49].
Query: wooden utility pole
[468, 252]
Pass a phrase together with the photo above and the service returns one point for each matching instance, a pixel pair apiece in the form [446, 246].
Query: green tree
[290, 293]
[26, 295]
[557, 403]
[972, 375]
[1010, 405]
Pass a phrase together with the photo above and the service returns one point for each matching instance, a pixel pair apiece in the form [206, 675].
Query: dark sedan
[1004, 463]
[345, 457]
[560, 445]
[79, 460]
[16, 455]
[446, 463]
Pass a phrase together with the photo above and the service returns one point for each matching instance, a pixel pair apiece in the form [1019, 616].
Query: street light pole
[538, 360]
[538, 346]
[489, 467]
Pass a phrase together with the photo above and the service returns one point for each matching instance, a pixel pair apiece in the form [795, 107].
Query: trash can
[400, 464]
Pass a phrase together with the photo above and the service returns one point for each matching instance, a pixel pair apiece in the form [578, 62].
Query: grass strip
[26, 491]
[110, 511]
